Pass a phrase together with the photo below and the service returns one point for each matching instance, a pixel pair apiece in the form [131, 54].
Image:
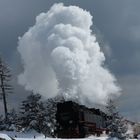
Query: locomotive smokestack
[61, 56]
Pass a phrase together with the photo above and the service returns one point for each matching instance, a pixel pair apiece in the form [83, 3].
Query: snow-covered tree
[10, 124]
[38, 115]
[115, 122]
[32, 113]
[51, 108]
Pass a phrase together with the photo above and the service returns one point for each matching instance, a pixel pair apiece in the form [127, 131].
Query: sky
[116, 25]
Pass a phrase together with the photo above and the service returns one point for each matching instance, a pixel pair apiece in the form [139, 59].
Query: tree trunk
[4, 98]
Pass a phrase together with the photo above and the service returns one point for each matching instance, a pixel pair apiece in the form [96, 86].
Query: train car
[78, 121]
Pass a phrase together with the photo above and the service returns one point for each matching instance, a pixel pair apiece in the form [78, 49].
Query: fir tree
[38, 115]
[40, 122]
[11, 122]
[30, 108]
[115, 123]
[51, 108]
[33, 114]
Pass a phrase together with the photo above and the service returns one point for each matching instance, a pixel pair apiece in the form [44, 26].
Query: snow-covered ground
[36, 136]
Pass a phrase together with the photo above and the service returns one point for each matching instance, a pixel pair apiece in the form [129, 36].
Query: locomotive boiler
[78, 121]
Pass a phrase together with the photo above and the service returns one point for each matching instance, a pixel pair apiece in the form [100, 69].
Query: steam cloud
[62, 57]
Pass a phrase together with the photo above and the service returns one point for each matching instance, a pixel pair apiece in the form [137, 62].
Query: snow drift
[61, 56]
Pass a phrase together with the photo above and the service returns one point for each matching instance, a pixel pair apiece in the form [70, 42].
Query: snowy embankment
[33, 136]
[36, 136]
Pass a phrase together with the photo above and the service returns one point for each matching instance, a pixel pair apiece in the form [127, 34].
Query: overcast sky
[117, 25]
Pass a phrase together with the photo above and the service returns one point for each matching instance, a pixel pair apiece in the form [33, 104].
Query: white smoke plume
[61, 56]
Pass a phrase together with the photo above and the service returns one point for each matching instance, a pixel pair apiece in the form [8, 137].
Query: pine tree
[28, 111]
[51, 108]
[33, 114]
[5, 87]
[38, 115]
[50, 105]
[115, 123]
[10, 125]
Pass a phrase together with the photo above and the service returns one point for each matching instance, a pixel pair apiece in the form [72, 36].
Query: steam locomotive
[78, 121]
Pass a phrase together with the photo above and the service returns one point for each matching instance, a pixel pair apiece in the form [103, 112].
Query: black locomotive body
[78, 121]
